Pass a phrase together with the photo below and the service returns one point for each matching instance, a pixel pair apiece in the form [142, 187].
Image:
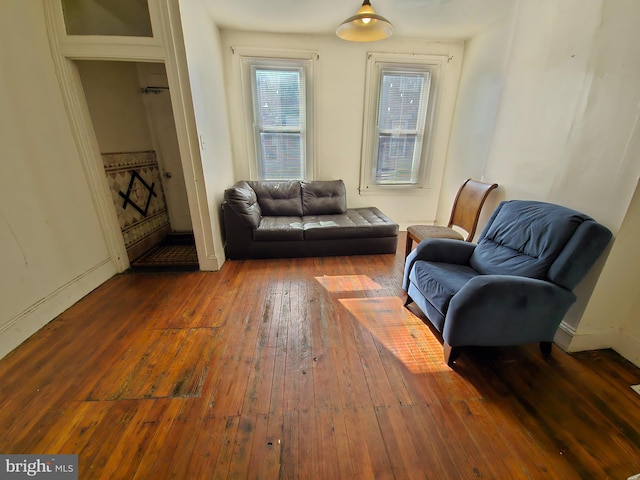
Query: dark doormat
[176, 253]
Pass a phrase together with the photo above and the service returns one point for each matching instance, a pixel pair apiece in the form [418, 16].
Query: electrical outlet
[636, 388]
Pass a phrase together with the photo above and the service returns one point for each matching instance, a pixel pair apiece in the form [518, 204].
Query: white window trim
[310, 58]
[436, 64]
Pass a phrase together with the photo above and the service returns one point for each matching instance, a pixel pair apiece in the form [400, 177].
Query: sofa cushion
[279, 228]
[242, 200]
[279, 198]
[524, 238]
[439, 282]
[354, 223]
[324, 197]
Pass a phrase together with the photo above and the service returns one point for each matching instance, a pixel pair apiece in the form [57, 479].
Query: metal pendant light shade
[365, 26]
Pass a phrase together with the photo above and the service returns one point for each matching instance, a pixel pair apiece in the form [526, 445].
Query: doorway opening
[132, 116]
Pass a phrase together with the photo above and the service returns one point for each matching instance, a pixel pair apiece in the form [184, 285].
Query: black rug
[176, 252]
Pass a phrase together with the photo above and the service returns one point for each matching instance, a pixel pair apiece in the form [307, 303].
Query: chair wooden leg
[408, 245]
[545, 348]
[450, 354]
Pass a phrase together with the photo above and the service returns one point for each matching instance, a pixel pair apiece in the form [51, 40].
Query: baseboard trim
[629, 347]
[621, 341]
[209, 264]
[564, 335]
[29, 321]
[571, 340]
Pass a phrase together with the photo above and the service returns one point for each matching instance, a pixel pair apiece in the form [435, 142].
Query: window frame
[377, 63]
[248, 60]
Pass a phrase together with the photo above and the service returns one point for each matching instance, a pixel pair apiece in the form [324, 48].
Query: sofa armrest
[498, 310]
[242, 199]
[237, 233]
[444, 250]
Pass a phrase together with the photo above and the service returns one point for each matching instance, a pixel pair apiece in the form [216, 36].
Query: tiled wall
[134, 180]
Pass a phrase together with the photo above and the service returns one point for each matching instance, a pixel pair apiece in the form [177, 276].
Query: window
[278, 96]
[402, 104]
[401, 97]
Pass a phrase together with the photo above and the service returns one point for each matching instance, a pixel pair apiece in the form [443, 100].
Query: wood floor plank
[384, 345]
[74, 431]
[290, 453]
[266, 448]
[436, 456]
[233, 362]
[175, 443]
[299, 386]
[368, 454]
[280, 316]
[352, 382]
[163, 443]
[97, 452]
[327, 394]
[333, 463]
[304, 368]
[263, 357]
[176, 305]
[213, 440]
[403, 456]
[242, 447]
[309, 453]
[127, 452]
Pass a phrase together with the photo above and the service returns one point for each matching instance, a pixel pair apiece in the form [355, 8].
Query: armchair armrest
[505, 310]
[444, 250]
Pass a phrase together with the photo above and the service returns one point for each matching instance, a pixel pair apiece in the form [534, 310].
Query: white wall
[339, 107]
[480, 93]
[626, 295]
[603, 155]
[53, 252]
[569, 106]
[613, 317]
[204, 61]
[544, 78]
[565, 130]
[112, 91]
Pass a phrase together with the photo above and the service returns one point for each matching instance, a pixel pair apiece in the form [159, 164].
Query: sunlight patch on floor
[399, 331]
[347, 283]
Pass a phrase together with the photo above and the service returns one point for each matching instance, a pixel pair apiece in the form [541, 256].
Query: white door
[154, 84]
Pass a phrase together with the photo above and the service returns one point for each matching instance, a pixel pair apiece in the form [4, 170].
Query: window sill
[393, 190]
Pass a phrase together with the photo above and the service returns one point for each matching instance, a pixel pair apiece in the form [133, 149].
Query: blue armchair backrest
[539, 240]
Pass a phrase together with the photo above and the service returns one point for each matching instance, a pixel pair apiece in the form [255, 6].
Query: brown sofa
[301, 219]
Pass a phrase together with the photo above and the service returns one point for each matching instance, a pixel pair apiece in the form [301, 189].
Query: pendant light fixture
[365, 26]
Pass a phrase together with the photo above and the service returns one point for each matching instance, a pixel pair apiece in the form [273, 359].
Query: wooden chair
[464, 214]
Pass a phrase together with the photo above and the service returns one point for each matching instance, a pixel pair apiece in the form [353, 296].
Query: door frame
[172, 179]
[166, 46]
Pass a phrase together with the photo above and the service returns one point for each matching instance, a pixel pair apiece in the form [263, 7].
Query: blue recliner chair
[514, 286]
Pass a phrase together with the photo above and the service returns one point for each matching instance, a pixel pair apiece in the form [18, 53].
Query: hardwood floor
[304, 368]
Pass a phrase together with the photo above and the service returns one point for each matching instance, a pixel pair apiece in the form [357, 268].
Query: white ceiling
[440, 19]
